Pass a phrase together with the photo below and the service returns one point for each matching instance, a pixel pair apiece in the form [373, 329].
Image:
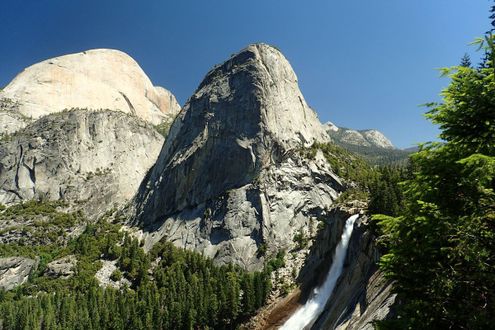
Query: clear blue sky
[361, 64]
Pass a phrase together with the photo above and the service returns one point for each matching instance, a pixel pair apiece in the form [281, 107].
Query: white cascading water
[308, 313]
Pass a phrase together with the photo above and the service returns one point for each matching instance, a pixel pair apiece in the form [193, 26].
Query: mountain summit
[93, 156]
[93, 79]
[362, 138]
[229, 177]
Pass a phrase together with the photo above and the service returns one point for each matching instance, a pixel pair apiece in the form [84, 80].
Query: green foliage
[378, 156]
[344, 163]
[183, 290]
[116, 275]
[379, 185]
[359, 193]
[465, 61]
[466, 116]
[385, 192]
[277, 262]
[301, 240]
[163, 128]
[442, 246]
[262, 248]
[45, 226]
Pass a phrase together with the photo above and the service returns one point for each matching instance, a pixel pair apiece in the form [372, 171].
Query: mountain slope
[93, 79]
[246, 176]
[229, 179]
[375, 147]
[78, 128]
[86, 158]
[364, 138]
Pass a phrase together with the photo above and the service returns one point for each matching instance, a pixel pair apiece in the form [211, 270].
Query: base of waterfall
[308, 313]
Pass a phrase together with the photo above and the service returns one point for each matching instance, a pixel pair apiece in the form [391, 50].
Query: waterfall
[308, 313]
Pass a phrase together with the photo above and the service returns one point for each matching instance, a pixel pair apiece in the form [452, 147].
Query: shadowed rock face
[94, 160]
[228, 177]
[362, 294]
[245, 114]
[94, 79]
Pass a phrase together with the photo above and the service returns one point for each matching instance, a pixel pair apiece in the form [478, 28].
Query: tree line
[170, 288]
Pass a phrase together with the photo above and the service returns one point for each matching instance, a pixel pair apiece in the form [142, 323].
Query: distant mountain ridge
[371, 144]
[365, 138]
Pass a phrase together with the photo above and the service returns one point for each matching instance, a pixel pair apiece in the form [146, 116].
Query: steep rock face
[14, 271]
[362, 294]
[229, 177]
[10, 119]
[93, 160]
[94, 79]
[353, 137]
[317, 258]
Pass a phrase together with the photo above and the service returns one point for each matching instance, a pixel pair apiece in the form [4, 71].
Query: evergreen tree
[465, 61]
[442, 246]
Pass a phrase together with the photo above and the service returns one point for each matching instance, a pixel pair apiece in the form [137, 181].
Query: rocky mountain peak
[377, 138]
[361, 138]
[93, 79]
[229, 178]
[244, 116]
[262, 75]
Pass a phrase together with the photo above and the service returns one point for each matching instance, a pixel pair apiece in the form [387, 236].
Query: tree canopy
[441, 247]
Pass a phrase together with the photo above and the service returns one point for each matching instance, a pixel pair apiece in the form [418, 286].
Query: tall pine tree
[442, 246]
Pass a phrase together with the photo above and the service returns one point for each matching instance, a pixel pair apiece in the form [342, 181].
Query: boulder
[14, 271]
[61, 268]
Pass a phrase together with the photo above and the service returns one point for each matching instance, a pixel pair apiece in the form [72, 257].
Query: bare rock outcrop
[92, 160]
[94, 79]
[362, 138]
[104, 275]
[61, 268]
[14, 271]
[11, 120]
[377, 138]
[229, 178]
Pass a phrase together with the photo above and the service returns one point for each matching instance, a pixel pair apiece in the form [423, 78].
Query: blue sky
[361, 64]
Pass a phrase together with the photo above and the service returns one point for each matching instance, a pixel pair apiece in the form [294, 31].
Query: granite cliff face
[93, 160]
[15, 271]
[229, 178]
[94, 79]
[361, 295]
